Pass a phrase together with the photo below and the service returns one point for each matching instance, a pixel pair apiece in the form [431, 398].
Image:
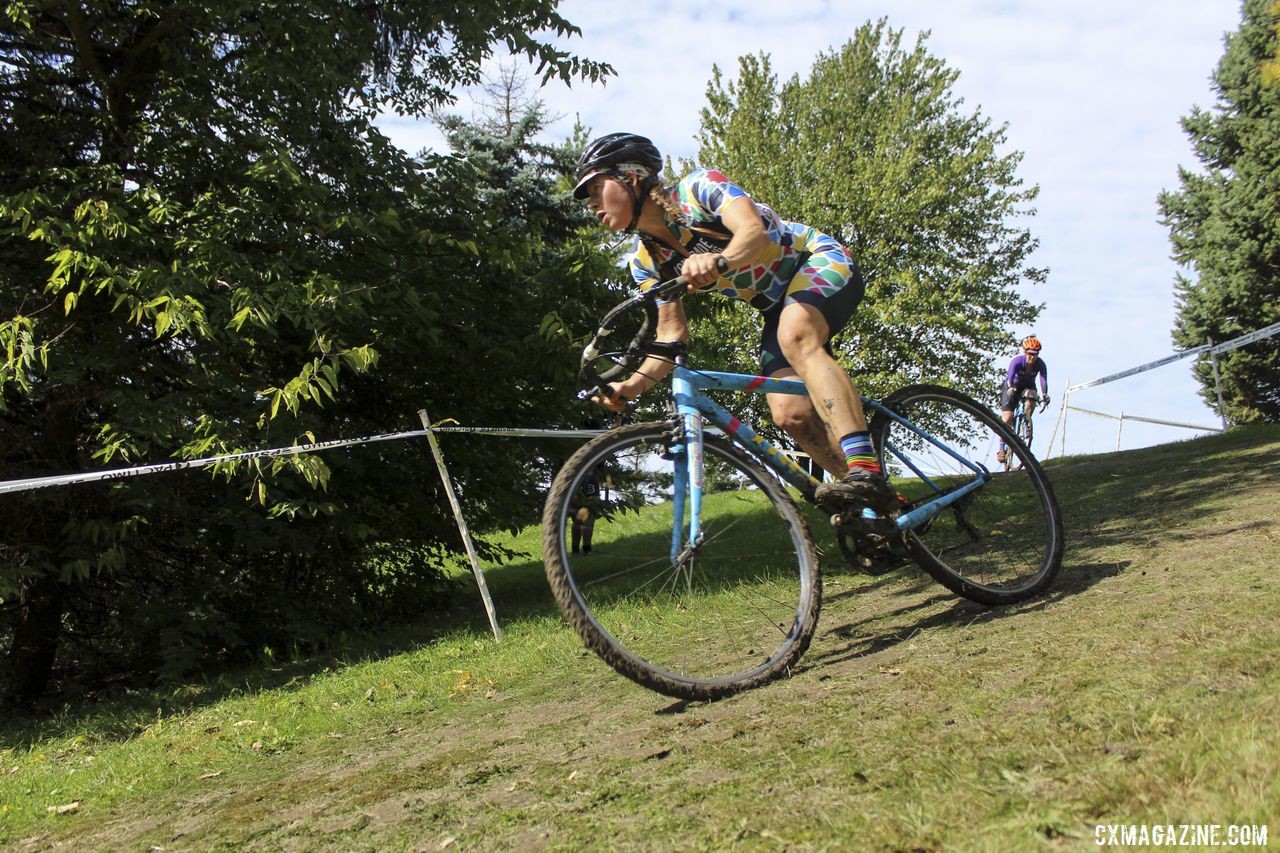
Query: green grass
[1141, 690]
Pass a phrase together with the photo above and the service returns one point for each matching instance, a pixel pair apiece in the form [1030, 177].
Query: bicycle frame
[664, 621]
[1020, 417]
[693, 406]
[1024, 411]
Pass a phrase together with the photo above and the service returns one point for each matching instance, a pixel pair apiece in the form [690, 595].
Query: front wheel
[695, 620]
[1022, 429]
[999, 543]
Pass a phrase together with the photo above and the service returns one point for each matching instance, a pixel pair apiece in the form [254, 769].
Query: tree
[208, 247]
[1224, 224]
[1271, 65]
[503, 101]
[873, 148]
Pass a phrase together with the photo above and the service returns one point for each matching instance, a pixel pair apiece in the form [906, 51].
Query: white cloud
[1091, 91]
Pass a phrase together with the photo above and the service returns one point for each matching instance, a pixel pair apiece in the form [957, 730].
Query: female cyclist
[802, 281]
[1020, 378]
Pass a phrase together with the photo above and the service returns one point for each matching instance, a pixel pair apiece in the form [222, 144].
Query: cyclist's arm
[1044, 377]
[1012, 375]
[750, 244]
[673, 325]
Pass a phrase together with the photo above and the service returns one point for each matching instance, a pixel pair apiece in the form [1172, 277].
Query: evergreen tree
[208, 247]
[1271, 65]
[1224, 224]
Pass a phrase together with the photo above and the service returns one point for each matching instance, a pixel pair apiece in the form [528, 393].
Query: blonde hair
[663, 199]
[660, 197]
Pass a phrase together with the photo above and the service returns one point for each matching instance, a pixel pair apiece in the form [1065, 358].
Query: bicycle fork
[687, 471]
[687, 468]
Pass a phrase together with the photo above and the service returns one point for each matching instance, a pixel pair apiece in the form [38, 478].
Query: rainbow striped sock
[858, 452]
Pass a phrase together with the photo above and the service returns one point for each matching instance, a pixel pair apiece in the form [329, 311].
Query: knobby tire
[738, 614]
[1003, 542]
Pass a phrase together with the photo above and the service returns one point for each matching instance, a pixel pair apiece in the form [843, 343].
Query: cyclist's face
[609, 200]
[1032, 356]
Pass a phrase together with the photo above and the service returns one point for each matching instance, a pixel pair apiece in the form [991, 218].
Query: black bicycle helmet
[602, 157]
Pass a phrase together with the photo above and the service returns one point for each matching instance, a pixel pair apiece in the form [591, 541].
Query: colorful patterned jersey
[702, 197]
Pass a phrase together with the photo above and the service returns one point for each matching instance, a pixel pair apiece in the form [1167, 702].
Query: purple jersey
[1022, 375]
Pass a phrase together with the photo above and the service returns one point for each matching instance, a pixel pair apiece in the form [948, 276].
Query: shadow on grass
[1200, 534]
[1163, 485]
[118, 713]
[869, 636]
[863, 640]
[1123, 498]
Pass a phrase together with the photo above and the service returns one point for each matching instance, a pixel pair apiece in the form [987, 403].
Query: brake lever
[596, 391]
[586, 394]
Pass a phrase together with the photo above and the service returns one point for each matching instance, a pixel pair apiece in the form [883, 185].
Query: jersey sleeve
[643, 267]
[1014, 367]
[704, 194]
[644, 270]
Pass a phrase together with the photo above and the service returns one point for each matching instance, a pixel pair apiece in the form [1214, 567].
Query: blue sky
[1091, 92]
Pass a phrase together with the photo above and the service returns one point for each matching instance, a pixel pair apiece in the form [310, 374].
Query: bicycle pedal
[857, 521]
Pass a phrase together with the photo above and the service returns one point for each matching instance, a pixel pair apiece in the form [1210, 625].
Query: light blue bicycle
[704, 579]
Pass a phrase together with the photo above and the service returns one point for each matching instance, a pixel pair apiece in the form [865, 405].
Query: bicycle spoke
[1000, 542]
[735, 610]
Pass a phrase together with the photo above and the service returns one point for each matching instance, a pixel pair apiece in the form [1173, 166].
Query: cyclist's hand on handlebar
[1044, 402]
[703, 270]
[615, 401]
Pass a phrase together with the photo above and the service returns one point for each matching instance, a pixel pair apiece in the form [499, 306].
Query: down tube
[693, 452]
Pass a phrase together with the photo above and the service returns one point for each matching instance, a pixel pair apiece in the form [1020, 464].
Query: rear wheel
[691, 620]
[999, 543]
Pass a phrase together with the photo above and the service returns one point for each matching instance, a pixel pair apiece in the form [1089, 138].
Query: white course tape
[123, 473]
[1234, 343]
[515, 432]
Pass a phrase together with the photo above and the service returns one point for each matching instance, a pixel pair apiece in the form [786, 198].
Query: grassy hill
[1141, 690]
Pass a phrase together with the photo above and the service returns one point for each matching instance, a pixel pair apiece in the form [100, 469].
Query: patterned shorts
[830, 281]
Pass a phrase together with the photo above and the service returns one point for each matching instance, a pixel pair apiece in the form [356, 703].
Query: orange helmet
[1031, 344]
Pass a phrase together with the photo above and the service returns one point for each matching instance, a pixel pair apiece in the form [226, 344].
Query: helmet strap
[637, 204]
[637, 197]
